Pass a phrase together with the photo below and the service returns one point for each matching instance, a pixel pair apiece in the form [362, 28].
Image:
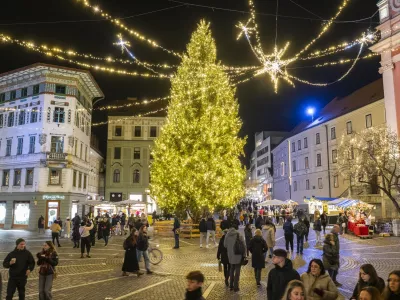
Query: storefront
[21, 214]
[3, 206]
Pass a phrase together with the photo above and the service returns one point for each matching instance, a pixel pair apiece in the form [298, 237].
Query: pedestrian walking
[335, 231]
[318, 284]
[307, 223]
[67, 228]
[248, 235]
[47, 262]
[76, 220]
[269, 236]
[300, 229]
[392, 290]
[259, 222]
[225, 224]
[331, 257]
[76, 237]
[60, 222]
[142, 247]
[367, 277]
[317, 228]
[235, 256]
[324, 221]
[295, 290]
[211, 227]
[131, 222]
[122, 223]
[203, 230]
[258, 248]
[131, 264]
[289, 234]
[20, 263]
[93, 233]
[195, 280]
[222, 256]
[341, 223]
[281, 275]
[84, 231]
[55, 232]
[41, 224]
[105, 230]
[176, 229]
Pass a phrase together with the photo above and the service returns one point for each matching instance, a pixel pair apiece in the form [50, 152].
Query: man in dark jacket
[20, 263]
[211, 230]
[203, 231]
[225, 224]
[288, 230]
[259, 222]
[76, 220]
[41, 224]
[307, 223]
[176, 230]
[279, 277]
[222, 256]
[300, 229]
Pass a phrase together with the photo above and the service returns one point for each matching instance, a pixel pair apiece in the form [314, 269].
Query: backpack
[300, 229]
[238, 247]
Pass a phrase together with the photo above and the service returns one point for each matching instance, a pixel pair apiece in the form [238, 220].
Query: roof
[341, 106]
[29, 71]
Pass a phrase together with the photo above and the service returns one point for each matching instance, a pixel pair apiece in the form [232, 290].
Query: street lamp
[310, 112]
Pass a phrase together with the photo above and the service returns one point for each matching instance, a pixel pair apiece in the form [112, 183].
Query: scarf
[194, 295]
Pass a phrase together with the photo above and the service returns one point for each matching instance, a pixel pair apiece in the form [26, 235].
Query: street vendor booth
[318, 205]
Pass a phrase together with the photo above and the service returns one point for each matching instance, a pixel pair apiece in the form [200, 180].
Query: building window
[153, 131]
[307, 184]
[295, 186]
[29, 177]
[319, 163]
[305, 143]
[368, 121]
[1, 120]
[306, 164]
[20, 145]
[299, 145]
[333, 133]
[136, 153]
[349, 127]
[55, 176]
[74, 179]
[34, 115]
[57, 144]
[116, 177]
[2, 97]
[294, 166]
[80, 180]
[81, 151]
[8, 147]
[334, 156]
[36, 89]
[136, 176]
[59, 115]
[13, 95]
[6, 178]
[86, 153]
[293, 147]
[118, 131]
[138, 131]
[24, 92]
[320, 186]
[84, 181]
[317, 139]
[61, 89]
[21, 117]
[117, 153]
[282, 168]
[10, 120]
[17, 177]
[76, 147]
[336, 181]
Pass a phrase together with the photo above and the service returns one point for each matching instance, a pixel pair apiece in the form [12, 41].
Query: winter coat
[225, 224]
[337, 243]
[76, 236]
[330, 256]
[278, 278]
[211, 224]
[248, 235]
[259, 222]
[48, 263]
[138, 224]
[258, 247]
[317, 225]
[67, 226]
[222, 252]
[324, 219]
[229, 243]
[288, 227]
[203, 225]
[380, 285]
[142, 242]
[300, 229]
[131, 263]
[177, 225]
[131, 221]
[323, 282]
[269, 235]
[105, 228]
[76, 220]
[55, 227]
[24, 262]
[194, 295]
[41, 222]
[307, 223]
[123, 219]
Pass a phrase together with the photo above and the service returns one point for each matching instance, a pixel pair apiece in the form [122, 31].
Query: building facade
[45, 118]
[129, 145]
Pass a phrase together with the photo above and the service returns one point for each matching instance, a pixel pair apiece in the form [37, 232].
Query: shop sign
[53, 197]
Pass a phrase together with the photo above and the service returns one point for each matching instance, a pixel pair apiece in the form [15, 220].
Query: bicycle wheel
[155, 256]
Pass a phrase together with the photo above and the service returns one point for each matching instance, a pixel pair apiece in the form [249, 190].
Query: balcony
[55, 156]
[55, 159]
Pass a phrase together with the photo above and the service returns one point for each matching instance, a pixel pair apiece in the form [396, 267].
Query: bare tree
[372, 157]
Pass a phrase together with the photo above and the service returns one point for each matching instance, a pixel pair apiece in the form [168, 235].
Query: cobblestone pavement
[100, 277]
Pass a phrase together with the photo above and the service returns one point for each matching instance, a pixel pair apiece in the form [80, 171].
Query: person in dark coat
[222, 255]
[281, 275]
[324, 221]
[258, 248]
[225, 223]
[47, 261]
[123, 222]
[367, 277]
[307, 223]
[76, 236]
[176, 230]
[259, 222]
[330, 257]
[41, 224]
[76, 220]
[131, 264]
[203, 230]
[211, 227]
[100, 228]
[106, 228]
[93, 233]
[248, 235]
[289, 233]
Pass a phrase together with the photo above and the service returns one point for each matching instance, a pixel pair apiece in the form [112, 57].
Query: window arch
[117, 176]
[136, 176]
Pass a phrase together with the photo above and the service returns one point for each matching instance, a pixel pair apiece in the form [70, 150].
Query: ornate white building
[45, 129]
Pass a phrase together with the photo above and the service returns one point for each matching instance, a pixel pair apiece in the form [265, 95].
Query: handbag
[55, 274]
[244, 261]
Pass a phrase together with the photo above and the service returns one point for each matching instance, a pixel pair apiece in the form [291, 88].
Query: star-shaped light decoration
[122, 43]
[245, 29]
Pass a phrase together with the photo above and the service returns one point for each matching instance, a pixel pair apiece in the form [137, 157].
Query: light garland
[144, 102]
[343, 61]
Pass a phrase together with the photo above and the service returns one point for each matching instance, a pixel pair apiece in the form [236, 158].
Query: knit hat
[280, 253]
[18, 241]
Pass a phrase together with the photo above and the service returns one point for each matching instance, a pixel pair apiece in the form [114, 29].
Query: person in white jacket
[67, 228]
[84, 230]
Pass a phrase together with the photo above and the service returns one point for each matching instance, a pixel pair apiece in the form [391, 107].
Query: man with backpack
[300, 229]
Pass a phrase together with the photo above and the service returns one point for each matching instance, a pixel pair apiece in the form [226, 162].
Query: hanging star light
[122, 43]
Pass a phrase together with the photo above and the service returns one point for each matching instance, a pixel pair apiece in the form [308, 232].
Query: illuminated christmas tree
[196, 157]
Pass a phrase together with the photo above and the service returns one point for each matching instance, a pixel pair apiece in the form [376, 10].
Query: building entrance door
[52, 212]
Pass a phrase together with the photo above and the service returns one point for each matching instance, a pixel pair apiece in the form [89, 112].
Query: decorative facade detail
[42, 139]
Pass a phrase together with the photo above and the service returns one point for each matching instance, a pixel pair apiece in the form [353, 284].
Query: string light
[144, 102]
[344, 61]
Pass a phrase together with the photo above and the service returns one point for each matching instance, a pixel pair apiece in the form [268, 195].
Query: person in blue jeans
[176, 229]
[300, 229]
[142, 247]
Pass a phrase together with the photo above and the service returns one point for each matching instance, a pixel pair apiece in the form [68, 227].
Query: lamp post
[311, 112]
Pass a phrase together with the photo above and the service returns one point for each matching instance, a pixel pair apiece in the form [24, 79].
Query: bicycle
[155, 255]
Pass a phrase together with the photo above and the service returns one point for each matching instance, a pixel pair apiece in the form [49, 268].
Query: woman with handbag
[131, 264]
[258, 247]
[47, 261]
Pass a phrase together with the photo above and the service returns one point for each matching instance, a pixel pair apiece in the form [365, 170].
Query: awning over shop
[271, 202]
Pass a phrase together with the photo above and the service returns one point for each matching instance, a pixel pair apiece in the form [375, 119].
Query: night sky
[260, 108]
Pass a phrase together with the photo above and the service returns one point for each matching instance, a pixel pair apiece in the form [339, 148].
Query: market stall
[318, 205]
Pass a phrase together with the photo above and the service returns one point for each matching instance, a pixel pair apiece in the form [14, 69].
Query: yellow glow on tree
[196, 157]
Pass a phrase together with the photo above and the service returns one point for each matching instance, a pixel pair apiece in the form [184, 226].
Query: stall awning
[271, 202]
[321, 199]
[344, 202]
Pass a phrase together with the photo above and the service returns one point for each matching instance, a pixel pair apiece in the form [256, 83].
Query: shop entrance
[21, 215]
[52, 212]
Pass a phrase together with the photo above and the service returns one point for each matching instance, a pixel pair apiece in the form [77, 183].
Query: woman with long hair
[47, 261]
[370, 293]
[131, 264]
[392, 290]
[142, 246]
[295, 290]
[367, 277]
[258, 248]
[330, 256]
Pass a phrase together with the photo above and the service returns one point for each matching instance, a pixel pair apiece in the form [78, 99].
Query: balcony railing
[56, 156]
